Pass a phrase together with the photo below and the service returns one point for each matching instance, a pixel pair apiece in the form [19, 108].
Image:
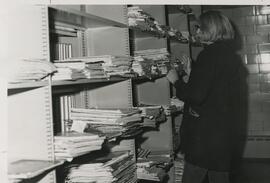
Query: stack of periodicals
[93, 66]
[69, 70]
[138, 19]
[78, 68]
[116, 65]
[152, 115]
[69, 145]
[28, 70]
[122, 145]
[152, 168]
[179, 169]
[112, 122]
[151, 62]
[120, 169]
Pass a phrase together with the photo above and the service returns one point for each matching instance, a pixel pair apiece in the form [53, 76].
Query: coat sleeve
[200, 82]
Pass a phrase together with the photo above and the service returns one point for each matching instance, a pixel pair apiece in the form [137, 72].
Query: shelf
[33, 84]
[36, 84]
[88, 20]
[145, 78]
[27, 169]
[84, 81]
[63, 33]
[144, 34]
[102, 80]
[258, 133]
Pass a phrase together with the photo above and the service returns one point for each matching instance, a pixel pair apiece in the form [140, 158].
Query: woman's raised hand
[172, 76]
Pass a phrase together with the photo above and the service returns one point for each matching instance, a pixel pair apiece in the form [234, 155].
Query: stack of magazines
[93, 66]
[78, 68]
[28, 70]
[120, 169]
[111, 122]
[69, 70]
[151, 62]
[102, 66]
[117, 65]
[138, 19]
[71, 144]
[152, 115]
[152, 167]
[179, 169]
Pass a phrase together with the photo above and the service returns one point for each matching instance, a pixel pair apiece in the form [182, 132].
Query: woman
[210, 96]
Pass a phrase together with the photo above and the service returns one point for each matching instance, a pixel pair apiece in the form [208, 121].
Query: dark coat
[209, 126]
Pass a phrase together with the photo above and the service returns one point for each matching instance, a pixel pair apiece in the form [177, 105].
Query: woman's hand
[172, 76]
[186, 61]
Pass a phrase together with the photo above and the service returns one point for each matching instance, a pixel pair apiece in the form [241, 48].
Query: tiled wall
[253, 24]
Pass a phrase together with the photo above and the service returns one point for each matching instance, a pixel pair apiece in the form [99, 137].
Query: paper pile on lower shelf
[111, 122]
[152, 167]
[120, 169]
[179, 169]
[70, 145]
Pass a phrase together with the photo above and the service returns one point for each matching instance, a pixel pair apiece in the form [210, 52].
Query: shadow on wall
[239, 106]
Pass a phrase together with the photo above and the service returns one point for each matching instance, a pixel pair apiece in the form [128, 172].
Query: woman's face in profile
[197, 32]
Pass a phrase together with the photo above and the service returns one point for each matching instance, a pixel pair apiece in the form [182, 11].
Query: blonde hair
[214, 27]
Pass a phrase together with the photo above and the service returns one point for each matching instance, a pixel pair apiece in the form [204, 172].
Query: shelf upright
[30, 127]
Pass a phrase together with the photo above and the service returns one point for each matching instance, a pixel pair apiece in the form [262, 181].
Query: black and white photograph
[135, 91]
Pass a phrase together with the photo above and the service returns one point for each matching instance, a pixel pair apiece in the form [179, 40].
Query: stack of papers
[120, 169]
[138, 19]
[92, 66]
[151, 62]
[69, 70]
[120, 122]
[153, 54]
[117, 65]
[152, 115]
[146, 171]
[179, 169]
[102, 66]
[95, 70]
[153, 168]
[31, 70]
[122, 145]
[143, 153]
[70, 145]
